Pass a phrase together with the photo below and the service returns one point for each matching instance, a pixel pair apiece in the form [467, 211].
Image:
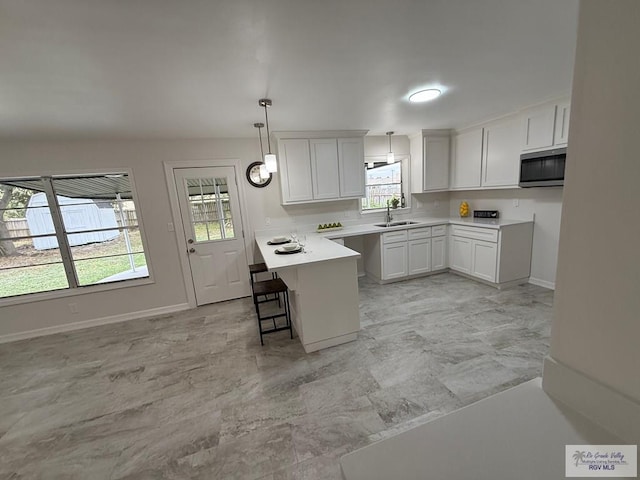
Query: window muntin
[68, 232]
[383, 182]
[210, 209]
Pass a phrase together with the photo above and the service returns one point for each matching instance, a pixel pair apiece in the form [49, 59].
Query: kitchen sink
[395, 224]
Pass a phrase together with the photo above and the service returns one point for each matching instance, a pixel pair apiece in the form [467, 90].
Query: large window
[66, 232]
[383, 183]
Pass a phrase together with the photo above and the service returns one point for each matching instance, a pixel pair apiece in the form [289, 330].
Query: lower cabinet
[439, 253]
[400, 254]
[496, 256]
[419, 256]
[394, 260]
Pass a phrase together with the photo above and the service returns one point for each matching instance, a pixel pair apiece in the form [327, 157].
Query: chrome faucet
[388, 217]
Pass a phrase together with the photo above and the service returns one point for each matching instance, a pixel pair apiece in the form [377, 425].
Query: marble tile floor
[194, 395]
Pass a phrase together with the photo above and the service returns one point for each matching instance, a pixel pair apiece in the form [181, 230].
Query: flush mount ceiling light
[391, 158]
[425, 95]
[270, 158]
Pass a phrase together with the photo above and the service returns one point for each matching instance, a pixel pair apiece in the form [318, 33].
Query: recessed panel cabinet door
[461, 254]
[351, 164]
[501, 159]
[394, 260]
[419, 256]
[485, 255]
[436, 163]
[467, 161]
[324, 168]
[295, 165]
[438, 253]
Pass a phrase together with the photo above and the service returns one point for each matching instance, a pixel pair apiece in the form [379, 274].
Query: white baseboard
[604, 406]
[542, 283]
[94, 322]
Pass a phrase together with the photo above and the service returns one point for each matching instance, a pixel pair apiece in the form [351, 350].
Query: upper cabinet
[467, 160]
[501, 154]
[487, 157]
[430, 159]
[321, 166]
[545, 126]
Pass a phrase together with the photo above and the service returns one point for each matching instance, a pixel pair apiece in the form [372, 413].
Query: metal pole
[127, 240]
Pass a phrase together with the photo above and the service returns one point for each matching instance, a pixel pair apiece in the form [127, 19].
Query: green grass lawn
[42, 278]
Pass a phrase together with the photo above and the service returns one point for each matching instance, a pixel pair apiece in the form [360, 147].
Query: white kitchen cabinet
[419, 256]
[321, 166]
[295, 170]
[561, 134]
[399, 254]
[460, 254]
[351, 167]
[484, 258]
[438, 253]
[324, 168]
[467, 160]
[430, 160]
[501, 155]
[394, 261]
[499, 256]
[546, 126]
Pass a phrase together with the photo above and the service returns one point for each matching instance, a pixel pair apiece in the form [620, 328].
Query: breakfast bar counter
[323, 284]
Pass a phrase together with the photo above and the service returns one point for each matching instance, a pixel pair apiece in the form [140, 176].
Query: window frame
[405, 185]
[95, 288]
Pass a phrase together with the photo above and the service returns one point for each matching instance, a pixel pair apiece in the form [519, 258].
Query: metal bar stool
[275, 286]
[255, 269]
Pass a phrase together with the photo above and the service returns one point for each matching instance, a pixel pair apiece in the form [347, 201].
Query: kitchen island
[323, 285]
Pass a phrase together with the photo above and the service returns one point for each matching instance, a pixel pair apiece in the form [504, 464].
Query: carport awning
[106, 187]
[95, 187]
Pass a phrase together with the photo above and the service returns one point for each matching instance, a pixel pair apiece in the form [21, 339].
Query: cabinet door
[351, 167]
[501, 159]
[438, 253]
[467, 161]
[295, 177]
[324, 168]
[436, 163]
[394, 260]
[485, 256]
[419, 256]
[561, 136]
[460, 254]
[539, 125]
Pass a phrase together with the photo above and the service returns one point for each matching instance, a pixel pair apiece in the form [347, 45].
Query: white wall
[544, 203]
[24, 158]
[596, 325]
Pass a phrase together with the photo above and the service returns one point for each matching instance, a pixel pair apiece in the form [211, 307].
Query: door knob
[192, 250]
[190, 240]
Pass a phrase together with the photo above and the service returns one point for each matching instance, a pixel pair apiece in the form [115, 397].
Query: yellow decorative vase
[464, 209]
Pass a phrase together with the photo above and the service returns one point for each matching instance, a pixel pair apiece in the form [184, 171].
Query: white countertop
[370, 228]
[318, 249]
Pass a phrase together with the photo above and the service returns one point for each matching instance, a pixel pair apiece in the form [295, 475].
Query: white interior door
[212, 223]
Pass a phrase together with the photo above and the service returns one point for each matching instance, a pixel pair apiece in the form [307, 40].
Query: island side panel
[327, 303]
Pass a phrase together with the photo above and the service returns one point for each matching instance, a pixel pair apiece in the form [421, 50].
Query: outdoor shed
[78, 214]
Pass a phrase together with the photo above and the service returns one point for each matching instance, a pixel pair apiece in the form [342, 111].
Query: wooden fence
[18, 227]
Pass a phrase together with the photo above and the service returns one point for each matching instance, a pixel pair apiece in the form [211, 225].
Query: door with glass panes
[212, 223]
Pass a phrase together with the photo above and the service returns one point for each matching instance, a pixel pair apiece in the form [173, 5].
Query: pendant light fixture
[391, 158]
[270, 158]
[263, 168]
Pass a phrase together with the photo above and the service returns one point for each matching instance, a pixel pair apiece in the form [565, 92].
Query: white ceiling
[196, 68]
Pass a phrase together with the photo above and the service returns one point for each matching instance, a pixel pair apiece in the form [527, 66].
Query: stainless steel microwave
[543, 169]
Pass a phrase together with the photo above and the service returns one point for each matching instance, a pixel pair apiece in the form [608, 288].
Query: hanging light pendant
[270, 160]
[391, 158]
[264, 174]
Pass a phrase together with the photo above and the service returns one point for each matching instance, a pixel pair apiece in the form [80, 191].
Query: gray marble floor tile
[193, 395]
[476, 375]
